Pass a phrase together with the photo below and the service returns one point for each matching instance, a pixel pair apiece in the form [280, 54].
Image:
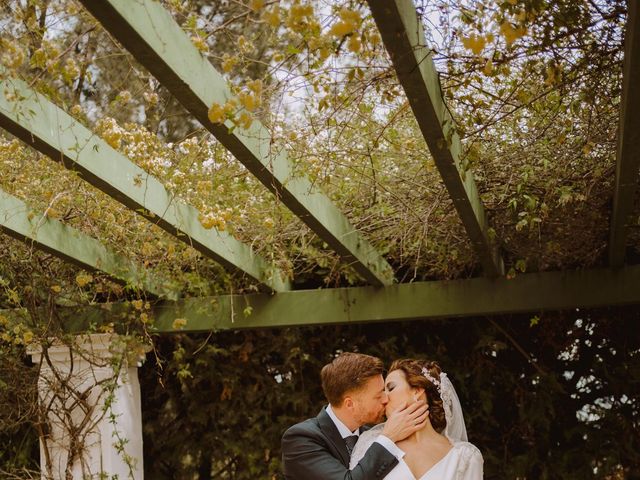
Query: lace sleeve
[470, 463]
[364, 442]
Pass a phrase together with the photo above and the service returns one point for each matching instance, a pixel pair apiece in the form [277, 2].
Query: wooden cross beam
[403, 36]
[41, 124]
[149, 32]
[35, 228]
[531, 292]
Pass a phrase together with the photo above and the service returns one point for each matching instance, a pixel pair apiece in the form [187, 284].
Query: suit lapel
[330, 431]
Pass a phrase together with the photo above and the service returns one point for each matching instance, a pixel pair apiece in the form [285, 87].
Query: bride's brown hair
[412, 370]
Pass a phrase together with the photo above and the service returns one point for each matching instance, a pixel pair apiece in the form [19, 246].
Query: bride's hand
[406, 420]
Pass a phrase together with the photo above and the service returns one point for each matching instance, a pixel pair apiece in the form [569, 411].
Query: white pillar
[90, 399]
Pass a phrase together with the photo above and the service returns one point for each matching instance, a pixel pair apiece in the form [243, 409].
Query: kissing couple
[424, 436]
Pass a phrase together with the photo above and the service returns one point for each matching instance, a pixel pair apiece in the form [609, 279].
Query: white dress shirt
[381, 439]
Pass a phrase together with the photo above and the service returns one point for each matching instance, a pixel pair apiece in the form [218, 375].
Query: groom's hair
[348, 372]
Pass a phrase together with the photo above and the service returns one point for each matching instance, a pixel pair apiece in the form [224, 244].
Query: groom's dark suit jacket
[314, 450]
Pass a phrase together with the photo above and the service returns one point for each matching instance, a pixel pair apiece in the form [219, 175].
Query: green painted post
[20, 222]
[404, 39]
[628, 155]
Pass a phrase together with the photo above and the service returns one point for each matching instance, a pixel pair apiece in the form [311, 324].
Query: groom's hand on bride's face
[406, 420]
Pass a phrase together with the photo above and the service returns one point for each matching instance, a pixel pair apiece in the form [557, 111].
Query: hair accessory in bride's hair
[431, 378]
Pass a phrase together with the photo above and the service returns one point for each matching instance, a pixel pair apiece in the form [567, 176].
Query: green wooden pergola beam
[35, 228]
[149, 32]
[534, 292]
[628, 155]
[41, 124]
[403, 36]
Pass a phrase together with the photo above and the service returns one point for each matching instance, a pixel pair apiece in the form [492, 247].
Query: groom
[319, 448]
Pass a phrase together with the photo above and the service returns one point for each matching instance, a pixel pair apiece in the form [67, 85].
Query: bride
[440, 450]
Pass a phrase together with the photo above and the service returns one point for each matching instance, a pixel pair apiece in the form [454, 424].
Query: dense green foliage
[544, 397]
[552, 397]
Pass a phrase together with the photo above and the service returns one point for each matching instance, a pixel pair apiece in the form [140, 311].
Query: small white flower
[209, 164]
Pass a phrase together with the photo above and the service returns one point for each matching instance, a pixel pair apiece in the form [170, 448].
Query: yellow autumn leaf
[245, 120]
[229, 107]
[511, 33]
[324, 53]
[272, 17]
[301, 18]
[39, 58]
[228, 62]
[244, 45]
[352, 16]
[179, 323]
[227, 214]
[147, 249]
[53, 213]
[475, 43]
[340, 29]
[204, 186]
[256, 5]
[550, 75]
[207, 221]
[354, 44]
[488, 67]
[108, 328]
[216, 113]
[255, 86]
[314, 43]
[113, 138]
[249, 101]
[200, 43]
[83, 279]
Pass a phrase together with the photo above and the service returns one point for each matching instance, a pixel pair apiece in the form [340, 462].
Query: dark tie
[351, 442]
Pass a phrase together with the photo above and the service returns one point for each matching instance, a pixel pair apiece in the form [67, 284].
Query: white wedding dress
[463, 462]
